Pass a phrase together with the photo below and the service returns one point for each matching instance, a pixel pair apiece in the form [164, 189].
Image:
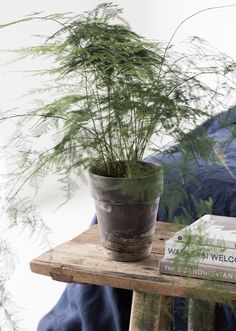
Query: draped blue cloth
[100, 308]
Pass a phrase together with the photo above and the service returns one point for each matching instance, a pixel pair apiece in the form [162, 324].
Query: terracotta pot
[126, 211]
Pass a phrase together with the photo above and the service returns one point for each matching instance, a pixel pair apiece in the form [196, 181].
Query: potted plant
[114, 95]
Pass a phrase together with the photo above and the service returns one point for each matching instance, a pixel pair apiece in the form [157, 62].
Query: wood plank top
[81, 260]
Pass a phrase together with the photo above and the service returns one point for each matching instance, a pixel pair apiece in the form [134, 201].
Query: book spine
[200, 254]
[223, 243]
[201, 271]
[183, 237]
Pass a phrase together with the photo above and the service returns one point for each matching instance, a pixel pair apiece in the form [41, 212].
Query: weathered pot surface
[126, 211]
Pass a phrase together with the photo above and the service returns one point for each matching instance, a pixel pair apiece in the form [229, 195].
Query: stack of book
[205, 249]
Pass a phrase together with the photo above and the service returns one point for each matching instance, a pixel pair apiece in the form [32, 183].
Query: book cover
[210, 230]
[201, 271]
[195, 253]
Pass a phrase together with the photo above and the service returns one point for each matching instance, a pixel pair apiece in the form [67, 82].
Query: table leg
[206, 316]
[150, 312]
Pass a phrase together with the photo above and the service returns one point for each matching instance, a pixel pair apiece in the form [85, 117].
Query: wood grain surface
[81, 260]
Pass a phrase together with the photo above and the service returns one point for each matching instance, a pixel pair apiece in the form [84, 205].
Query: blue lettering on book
[173, 251]
[202, 255]
[223, 258]
[186, 252]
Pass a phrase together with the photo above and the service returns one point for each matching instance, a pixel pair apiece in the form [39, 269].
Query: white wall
[151, 18]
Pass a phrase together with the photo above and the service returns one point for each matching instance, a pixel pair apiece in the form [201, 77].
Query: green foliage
[8, 311]
[111, 95]
[147, 311]
[115, 91]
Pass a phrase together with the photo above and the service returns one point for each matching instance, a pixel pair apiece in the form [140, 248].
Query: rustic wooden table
[81, 260]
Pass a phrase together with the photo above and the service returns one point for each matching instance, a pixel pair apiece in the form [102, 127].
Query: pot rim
[151, 164]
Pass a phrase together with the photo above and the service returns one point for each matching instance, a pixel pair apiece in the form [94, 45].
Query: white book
[204, 254]
[212, 230]
[202, 271]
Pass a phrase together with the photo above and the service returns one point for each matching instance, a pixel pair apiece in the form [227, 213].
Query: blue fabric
[99, 308]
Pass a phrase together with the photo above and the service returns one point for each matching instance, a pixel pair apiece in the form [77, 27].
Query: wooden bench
[81, 260]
